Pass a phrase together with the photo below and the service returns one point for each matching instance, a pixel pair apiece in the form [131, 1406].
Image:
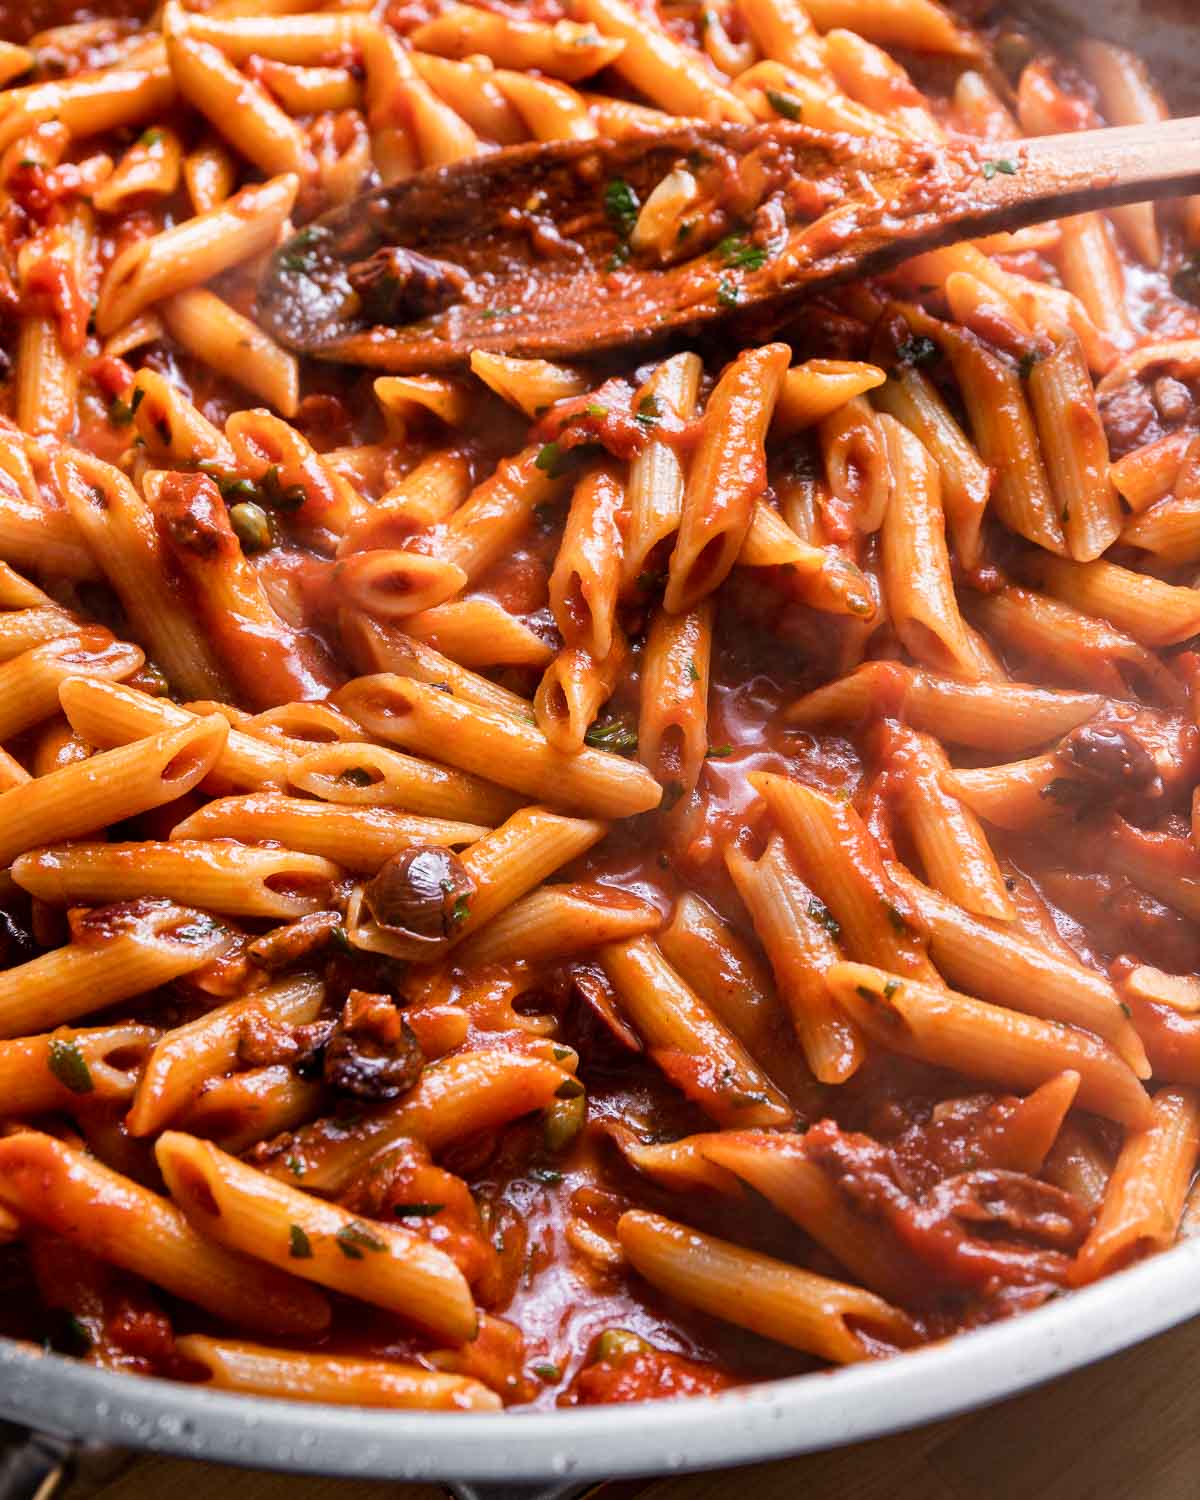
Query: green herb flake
[299, 1244]
[353, 1238]
[297, 254]
[120, 413]
[819, 912]
[649, 410]
[549, 457]
[69, 1066]
[547, 1175]
[990, 168]
[618, 258]
[416, 1210]
[866, 992]
[569, 1088]
[150, 138]
[1027, 361]
[560, 1054]
[718, 752]
[1125, 1010]
[916, 351]
[693, 670]
[739, 254]
[621, 206]
[890, 988]
[727, 293]
[293, 1163]
[616, 735]
[786, 105]
[489, 314]
[594, 409]
[895, 917]
[461, 909]
[546, 1371]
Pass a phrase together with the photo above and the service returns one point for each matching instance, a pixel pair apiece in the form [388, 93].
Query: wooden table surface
[1125, 1429]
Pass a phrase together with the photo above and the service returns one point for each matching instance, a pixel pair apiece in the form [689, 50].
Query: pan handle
[37, 1465]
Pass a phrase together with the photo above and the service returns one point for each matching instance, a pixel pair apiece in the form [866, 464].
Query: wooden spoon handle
[1065, 174]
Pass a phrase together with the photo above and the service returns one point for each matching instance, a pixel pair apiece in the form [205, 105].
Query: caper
[563, 1121]
[251, 525]
[617, 1343]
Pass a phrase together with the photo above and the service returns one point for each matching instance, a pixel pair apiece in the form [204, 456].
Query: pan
[71, 1422]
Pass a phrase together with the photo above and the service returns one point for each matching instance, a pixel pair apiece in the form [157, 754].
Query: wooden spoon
[533, 250]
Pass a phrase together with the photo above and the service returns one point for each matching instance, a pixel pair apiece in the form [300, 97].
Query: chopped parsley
[594, 409]
[819, 912]
[1027, 362]
[120, 413]
[917, 351]
[649, 410]
[896, 917]
[1128, 1013]
[461, 909]
[547, 1175]
[293, 1163]
[297, 254]
[786, 105]
[739, 254]
[352, 1239]
[718, 752]
[549, 457]
[990, 168]
[150, 138]
[299, 1244]
[546, 1371]
[69, 1065]
[569, 1088]
[890, 988]
[693, 670]
[490, 313]
[727, 293]
[617, 735]
[621, 206]
[618, 258]
[416, 1210]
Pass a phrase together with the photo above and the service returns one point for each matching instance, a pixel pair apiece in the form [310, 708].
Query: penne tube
[410, 125]
[118, 527]
[220, 876]
[361, 775]
[468, 89]
[556, 921]
[656, 475]
[93, 102]
[668, 74]
[375, 647]
[987, 1041]
[673, 719]
[1091, 269]
[309, 91]
[479, 632]
[457, 1096]
[194, 251]
[856, 464]
[678, 1165]
[107, 714]
[500, 867]
[391, 584]
[484, 528]
[150, 168]
[487, 743]
[1151, 611]
[223, 339]
[263, 442]
[1075, 448]
[837, 857]
[338, 1379]
[918, 25]
[1143, 1200]
[430, 492]
[186, 1057]
[785, 33]
[1170, 529]
[174, 432]
[703, 1059]
[572, 691]
[305, 39]
[1022, 794]
[813, 390]
[1007, 440]
[564, 50]
[1006, 966]
[357, 838]
[727, 473]
[916, 564]
[912, 398]
[1150, 473]
[832, 1319]
[587, 571]
[109, 787]
[871, 77]
[986, 715]
[30, 681]
[246, 1211]
[64, 1069]
[48, 1183]
[952, 847]
[794, 928]
[122, 951]
[210, 175]
[823, 577]
[531, 385]
[242, 1109]
[1128, 98]
[551, 111]
[777, 1167]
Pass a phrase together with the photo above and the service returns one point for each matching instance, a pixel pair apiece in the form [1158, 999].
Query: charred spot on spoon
[396, 285]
